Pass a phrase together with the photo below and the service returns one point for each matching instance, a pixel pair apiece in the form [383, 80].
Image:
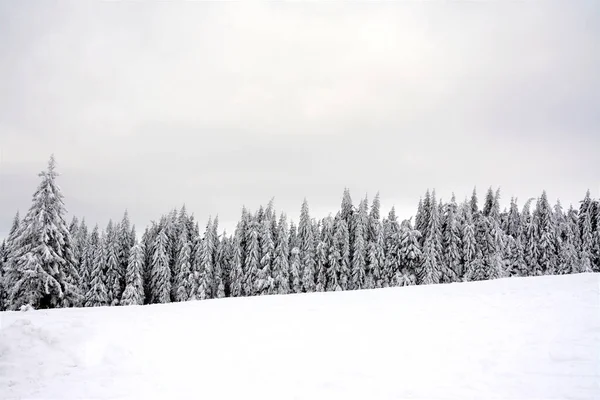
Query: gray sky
[149, 106]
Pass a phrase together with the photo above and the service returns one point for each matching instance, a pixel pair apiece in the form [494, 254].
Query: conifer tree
[546, 232]
[43, 272]
[376, 247]
[124, 245]
[113, 275]
[322, 265]
[358, 269]
[514, 220]
[97, 296]
[236, 270]
[430, 271]
[452, 243]
[134, 288]
[8, 261]
[473, 203]
[266, 283]
[252, 260]
[185, 276]
[469, 243]
[206, 267]
[307, 250]
[409, 255]
[295, 284]
[218, 289]
[160, 285]
[392, 248]
[280, 262]
[222, 262]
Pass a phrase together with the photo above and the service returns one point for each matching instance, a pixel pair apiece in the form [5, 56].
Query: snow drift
[517, 338]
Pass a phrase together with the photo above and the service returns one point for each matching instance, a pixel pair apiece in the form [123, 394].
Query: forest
[46, 262]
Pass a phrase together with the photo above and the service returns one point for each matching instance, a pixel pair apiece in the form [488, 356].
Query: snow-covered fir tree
[134, 288]
[376, 248]
[113, 266]
[452, 243]
[160, 284]
[96, 295]
[392, 248]
[280, 264]
[358, 271]
[546, 232]
[42, 271]
[307, 250]
[295, 283]
[185, 276]
[206, 267]
[409, 255]
[266, 283]
[124, 245]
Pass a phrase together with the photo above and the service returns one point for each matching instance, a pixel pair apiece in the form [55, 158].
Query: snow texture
[515, 338]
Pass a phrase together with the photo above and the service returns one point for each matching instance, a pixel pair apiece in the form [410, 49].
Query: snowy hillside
[517, 338]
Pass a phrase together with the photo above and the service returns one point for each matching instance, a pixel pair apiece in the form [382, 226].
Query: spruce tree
[8, 261]
[236, 273]
[469, 243]
[392, 248]
[160, 284]
[376, 247]
[280, 262]
[266, 283]
[134, 288]
[206, 266]
[307, 250]
[546, 233]
[185, 277]
[124, 245]
[409, 255]
[113, 274]
[218, 288]
[452, 243]
[97, 296]
[295, 283]
[358, 269]
[431, 268]
[43, 272]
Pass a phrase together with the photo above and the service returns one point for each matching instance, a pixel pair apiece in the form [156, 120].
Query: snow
[516, 338]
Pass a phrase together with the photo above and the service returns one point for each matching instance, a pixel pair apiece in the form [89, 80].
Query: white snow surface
[516, 338]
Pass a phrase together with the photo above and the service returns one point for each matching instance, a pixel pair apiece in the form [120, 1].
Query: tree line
[47, 263]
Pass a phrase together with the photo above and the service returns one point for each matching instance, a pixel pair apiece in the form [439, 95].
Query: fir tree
[161, 273]
[185, 277]
[307, 250]
[266, 283]
[280, 263]
[452, 243]
[473, 203]
[218, 289]
[295, 284]
[43, 272]
[469, 243]
[97, 296]
[134, 288]
[236, 270]
[392, 248]
[124, 245]
[206, 267]
[409, 254]
[546, 232]
[358, 270]
[338, 258]
[113, 275]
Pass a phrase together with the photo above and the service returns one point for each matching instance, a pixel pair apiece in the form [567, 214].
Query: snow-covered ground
[519, 338]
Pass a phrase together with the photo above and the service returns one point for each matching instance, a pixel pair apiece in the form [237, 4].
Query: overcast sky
[149, 106]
